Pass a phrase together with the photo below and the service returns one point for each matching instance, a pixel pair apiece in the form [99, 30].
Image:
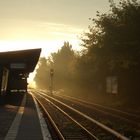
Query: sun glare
[31, 82]
[48, 47]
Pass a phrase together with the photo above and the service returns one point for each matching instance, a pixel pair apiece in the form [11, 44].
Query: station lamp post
[51, 80]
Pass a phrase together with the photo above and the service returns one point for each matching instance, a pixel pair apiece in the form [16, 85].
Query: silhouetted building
[15, 67]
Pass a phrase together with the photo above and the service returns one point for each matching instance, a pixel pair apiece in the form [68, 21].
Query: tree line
[111, 48]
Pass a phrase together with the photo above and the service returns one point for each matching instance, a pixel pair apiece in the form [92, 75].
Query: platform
[29, 127]
[26, 125]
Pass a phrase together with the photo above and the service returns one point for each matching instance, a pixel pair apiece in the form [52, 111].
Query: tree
[116, 34]
[63, 65]
[113, 42]
[41, 77]
[62, 62]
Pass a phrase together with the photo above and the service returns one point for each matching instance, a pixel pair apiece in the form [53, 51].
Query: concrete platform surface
[26, 125]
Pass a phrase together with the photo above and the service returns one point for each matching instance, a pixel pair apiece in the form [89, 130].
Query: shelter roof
[22, 60]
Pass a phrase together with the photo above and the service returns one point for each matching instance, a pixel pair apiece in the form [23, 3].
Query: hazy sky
[45, 23]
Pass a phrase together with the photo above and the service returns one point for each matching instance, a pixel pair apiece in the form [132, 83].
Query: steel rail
[105, 107]
[81, 126]
[50, 119]
[109, 130]
[101, 110]
[99, 105]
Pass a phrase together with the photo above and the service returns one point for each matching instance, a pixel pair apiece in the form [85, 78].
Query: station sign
[112, 84]
[17, 65]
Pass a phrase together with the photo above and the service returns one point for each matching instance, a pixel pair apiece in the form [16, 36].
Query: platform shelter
[15, 67]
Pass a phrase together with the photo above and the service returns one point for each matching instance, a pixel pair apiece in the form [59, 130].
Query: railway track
[132, 117]
[93, 127]
[126, 123]
[123, 122]
[65, 126]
